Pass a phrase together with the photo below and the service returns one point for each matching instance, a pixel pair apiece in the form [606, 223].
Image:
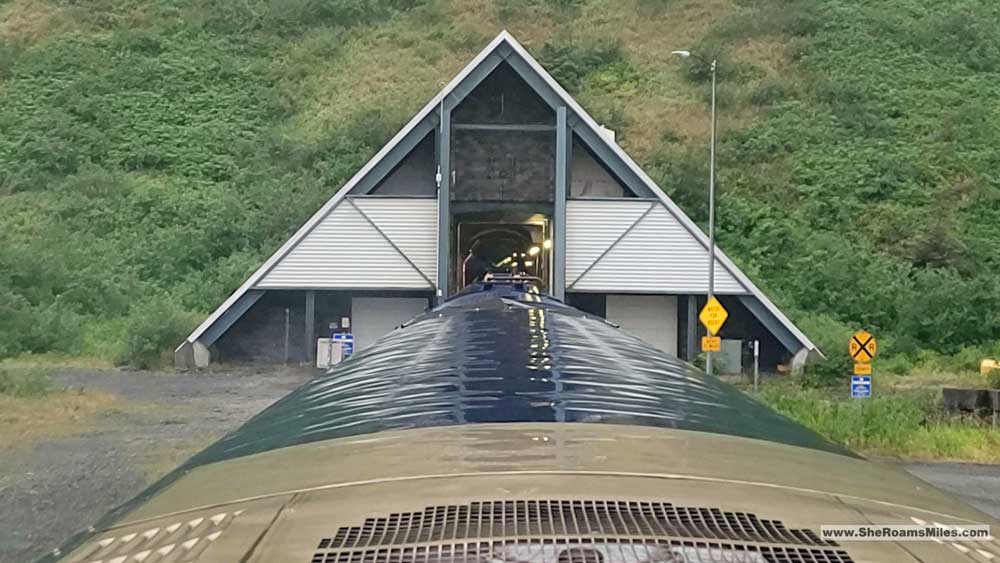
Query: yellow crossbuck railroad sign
[713, 315]
[863, 347]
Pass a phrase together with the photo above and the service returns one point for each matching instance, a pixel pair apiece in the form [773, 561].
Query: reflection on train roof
[502, 352]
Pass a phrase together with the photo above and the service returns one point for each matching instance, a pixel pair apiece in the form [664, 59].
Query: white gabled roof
[343, 191]
[503, 39]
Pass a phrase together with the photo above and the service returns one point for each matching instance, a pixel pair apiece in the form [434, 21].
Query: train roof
[502, 352]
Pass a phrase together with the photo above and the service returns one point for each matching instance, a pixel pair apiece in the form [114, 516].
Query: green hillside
[152, 153]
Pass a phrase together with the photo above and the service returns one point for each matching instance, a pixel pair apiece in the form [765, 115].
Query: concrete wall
[591, 303]
[508, 166]
[259, 335]
[503, 165]
[415, 175]
[503, 98]
[589, 179]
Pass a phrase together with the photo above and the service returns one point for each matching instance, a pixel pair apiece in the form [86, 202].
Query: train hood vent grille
[574, 531]
[516, 519]
[586, 550]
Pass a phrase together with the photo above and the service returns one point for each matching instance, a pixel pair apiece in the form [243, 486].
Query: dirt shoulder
[57, 479]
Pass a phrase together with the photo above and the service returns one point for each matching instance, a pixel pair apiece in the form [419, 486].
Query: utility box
[731, 357]
[329, 352]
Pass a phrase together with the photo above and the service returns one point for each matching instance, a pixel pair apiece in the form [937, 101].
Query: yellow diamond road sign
[863, 346]
[713, 315]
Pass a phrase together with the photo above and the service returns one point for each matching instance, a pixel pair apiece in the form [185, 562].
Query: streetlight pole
[711, 191]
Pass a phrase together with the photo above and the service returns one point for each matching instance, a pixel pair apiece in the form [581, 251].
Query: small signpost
[713, 315]
[711, 344]
[862, 348]
[861, 386]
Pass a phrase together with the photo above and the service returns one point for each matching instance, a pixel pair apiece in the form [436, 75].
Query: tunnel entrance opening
[503, 245]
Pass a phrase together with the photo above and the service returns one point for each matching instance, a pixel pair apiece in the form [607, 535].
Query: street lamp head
[681, 54]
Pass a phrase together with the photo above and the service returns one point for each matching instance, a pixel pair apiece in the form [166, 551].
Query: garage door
[374, 317]
[652, 318]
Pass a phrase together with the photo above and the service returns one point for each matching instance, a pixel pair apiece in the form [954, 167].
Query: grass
[902, 420]
[60, 413]
[50, 360]
[30, 407]
[21, 382]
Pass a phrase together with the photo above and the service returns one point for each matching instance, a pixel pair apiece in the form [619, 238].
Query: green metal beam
[531, 128]
[563, 159]
[444, 201]
[691, 345]
[309, 330]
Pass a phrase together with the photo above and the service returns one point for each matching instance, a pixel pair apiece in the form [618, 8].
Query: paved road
[977, 484]
[54, 487]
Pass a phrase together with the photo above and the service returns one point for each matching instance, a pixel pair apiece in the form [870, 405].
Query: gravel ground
[52, 488]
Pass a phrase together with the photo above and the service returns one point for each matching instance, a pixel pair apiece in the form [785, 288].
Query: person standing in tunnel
[475, 266]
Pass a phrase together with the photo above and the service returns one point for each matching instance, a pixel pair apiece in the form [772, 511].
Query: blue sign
[348, 342]
[861, 386]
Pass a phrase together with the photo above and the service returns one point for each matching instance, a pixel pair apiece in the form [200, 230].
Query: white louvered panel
[345, 250]
[592, 226]
[411, 224]
[659, 255]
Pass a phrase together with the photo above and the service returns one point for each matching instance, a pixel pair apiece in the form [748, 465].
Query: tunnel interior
[502, 243]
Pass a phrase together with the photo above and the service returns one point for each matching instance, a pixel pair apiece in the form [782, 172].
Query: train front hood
[532, 492]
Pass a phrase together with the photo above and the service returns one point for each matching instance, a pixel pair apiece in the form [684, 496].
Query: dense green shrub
[898, 364]
[154, 328]
[572, 63]
[17, 315]
[770, 92]
[993, 380]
